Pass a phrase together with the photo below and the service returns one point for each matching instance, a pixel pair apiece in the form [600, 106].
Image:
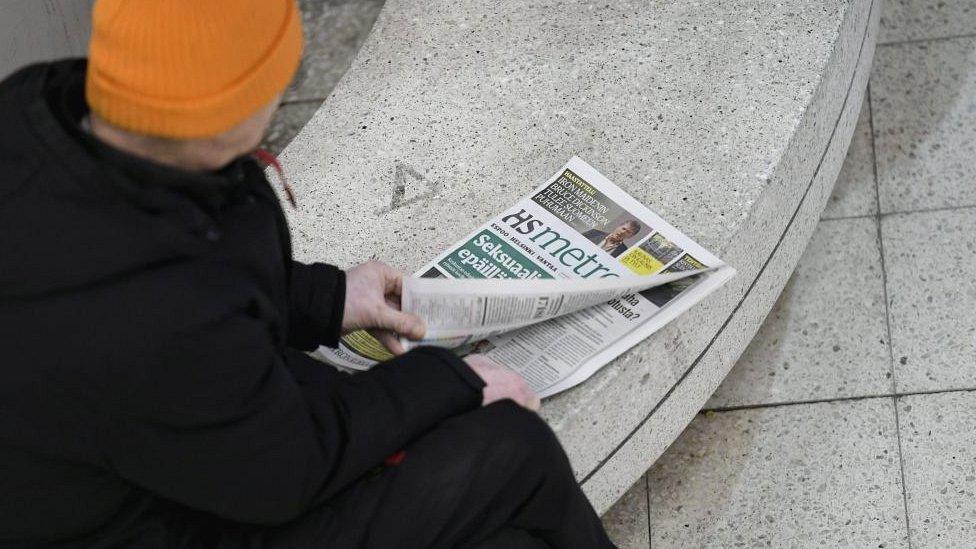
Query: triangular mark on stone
[409, 186]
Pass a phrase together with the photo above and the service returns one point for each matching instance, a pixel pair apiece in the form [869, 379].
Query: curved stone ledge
[730, 119]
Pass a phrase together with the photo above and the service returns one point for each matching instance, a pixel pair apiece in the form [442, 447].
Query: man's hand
[502, 383]
[373, 303]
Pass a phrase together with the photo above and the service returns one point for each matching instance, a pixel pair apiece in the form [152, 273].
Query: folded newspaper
[555, 287]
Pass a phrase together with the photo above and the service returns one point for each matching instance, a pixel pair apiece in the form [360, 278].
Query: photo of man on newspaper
[614, 242]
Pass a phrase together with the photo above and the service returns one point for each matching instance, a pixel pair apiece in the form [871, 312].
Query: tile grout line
[927, 210]
[829, 400]
[287, 102]
[929, 39]
[647, 499]
[891, 346]
[884, 272]
[848, 217]
[899, 212]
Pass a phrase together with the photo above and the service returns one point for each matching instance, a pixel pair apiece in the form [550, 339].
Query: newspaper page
[462, 310]
[578, 228]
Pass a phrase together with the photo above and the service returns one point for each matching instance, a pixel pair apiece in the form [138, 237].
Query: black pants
[493, 478]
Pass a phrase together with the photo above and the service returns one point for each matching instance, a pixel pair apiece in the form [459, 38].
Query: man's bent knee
[511, 428]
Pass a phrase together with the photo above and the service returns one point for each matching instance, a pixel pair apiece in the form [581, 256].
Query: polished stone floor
[851, 419]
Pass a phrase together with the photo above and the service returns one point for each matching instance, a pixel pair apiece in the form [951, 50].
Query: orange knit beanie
[188, 69]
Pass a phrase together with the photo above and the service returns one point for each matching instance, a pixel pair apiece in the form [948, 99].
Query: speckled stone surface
[938, 434]
[924, 97]
[919, 19]
[931, 266]
[485, 101]
[826, 336]
[806, 475]
[334, 32]
[693, 387]
[289, 119]
[855, 192]
[626, 522]
[38, 30]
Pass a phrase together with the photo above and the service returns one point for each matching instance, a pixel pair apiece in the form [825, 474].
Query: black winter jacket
[151, 328]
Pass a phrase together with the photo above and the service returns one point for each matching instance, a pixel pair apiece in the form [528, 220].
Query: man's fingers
[389, 340]
[405, 324]
[530, 399]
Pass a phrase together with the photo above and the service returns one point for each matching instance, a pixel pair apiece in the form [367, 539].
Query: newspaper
[463, 310]
[555, 287]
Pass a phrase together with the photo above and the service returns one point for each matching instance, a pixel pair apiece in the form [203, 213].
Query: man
[153, 392]
[613, 242]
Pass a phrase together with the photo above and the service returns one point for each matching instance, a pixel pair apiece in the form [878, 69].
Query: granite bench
[730, 119]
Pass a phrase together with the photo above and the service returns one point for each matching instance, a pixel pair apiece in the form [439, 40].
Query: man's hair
[634, 226]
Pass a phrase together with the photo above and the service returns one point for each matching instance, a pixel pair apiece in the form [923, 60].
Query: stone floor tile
[855, 192]
[930, 258]
[938, 436]
[826, 335]
[923, 96]
[806, 475]
[287, 122]
[626, 521]
[918, 19]
[334, 31]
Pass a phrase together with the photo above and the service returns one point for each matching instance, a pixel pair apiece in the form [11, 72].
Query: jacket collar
[57, 111]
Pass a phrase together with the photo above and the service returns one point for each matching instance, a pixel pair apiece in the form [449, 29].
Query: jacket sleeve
[315, 305]
[226, 424]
